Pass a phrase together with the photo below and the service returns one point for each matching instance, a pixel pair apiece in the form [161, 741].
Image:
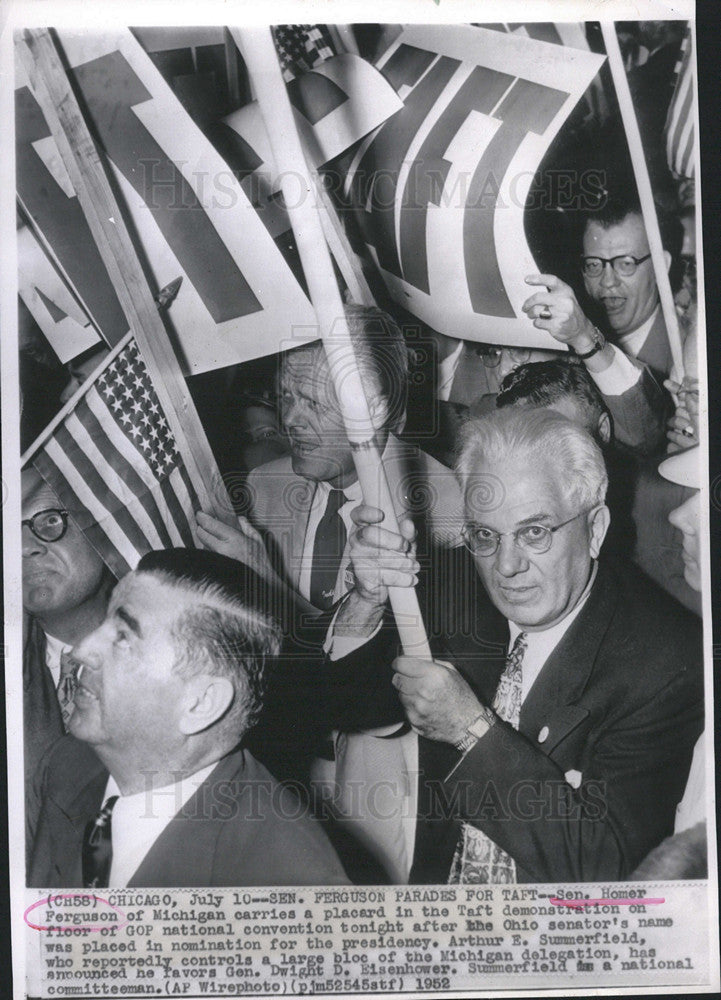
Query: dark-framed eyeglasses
[48, 525]
[492, 355]
[624, 265]
[535, 538]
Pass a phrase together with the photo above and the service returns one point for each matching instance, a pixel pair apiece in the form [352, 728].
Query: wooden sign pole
[258, 50]
[63, 115]
[645, 192]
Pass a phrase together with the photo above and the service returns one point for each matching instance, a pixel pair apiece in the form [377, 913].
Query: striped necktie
[98, 847]
[477, 857]
[66, 685]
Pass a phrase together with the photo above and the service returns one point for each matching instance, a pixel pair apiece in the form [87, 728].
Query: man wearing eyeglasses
[553, 744]
[65, 592]
[619, 280]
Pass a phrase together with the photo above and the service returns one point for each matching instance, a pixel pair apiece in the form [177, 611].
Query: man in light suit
[151, 787]
[290, 498]
[557, 721]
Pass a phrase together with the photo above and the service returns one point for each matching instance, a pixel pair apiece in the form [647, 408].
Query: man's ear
[378, 408]
[599, 521]
[207, 698]
[604, 428]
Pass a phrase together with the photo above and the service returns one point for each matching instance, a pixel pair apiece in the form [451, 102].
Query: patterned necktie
[66, 686]
[477, 857]
[98, 847]
[328, 548]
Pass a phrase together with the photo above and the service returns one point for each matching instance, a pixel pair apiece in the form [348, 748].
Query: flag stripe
[123, 469]
[105, 522]
[171, 510]
[173, 491]
[116, 484]
[114, 463]
[680, 133]
[103, 498]
[95, 535]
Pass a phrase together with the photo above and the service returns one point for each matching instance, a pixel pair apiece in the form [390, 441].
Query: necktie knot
[336, 499]
[515, 657]
[68, 664]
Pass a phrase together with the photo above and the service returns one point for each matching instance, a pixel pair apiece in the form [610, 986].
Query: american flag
[679, 122]
[113, 462]
[300, 47]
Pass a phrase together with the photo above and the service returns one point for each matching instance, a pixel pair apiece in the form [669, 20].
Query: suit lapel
[301, 494]
[69, 820]
[551, 705]
[43, 718]
[185, 852]
[656, 350]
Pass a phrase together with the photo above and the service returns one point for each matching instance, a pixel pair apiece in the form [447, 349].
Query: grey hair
[220, 635]
[381, 356]
[548, 437]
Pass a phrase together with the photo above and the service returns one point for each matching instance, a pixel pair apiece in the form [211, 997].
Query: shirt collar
[164, 805]
[633, 342]
[555, 633]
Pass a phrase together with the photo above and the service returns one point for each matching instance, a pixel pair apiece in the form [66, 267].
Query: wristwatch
[599, 342]
[479, 727]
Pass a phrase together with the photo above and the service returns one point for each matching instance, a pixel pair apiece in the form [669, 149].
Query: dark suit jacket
[616, 709]
[236, 830]
[42, 718]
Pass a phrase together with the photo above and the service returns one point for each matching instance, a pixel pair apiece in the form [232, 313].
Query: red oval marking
[74, 927]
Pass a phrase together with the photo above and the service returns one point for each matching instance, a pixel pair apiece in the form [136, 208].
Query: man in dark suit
[557, 722]
[620, 282]
[150, 788]
[65, 593]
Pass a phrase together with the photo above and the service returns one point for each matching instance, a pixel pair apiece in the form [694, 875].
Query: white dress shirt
[54, 649]
[541, 644]
[621, 375]
[138, 820]
[447, 372]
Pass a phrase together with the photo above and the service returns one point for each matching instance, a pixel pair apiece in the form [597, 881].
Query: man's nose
[609, 278]
[293, 414]
[510, 559]
[32, 545]
[87, 654]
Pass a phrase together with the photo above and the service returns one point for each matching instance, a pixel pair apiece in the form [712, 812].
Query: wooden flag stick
[645, 192]
[62, 113]
[258, 50]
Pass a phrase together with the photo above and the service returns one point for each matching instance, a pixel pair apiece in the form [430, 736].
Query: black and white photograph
[355, 501]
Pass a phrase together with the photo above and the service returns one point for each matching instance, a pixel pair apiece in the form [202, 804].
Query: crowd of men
[243, 714]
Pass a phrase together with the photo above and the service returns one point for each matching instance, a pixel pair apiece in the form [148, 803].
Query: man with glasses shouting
[65, 593]
[554, 739]
[619, 280]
